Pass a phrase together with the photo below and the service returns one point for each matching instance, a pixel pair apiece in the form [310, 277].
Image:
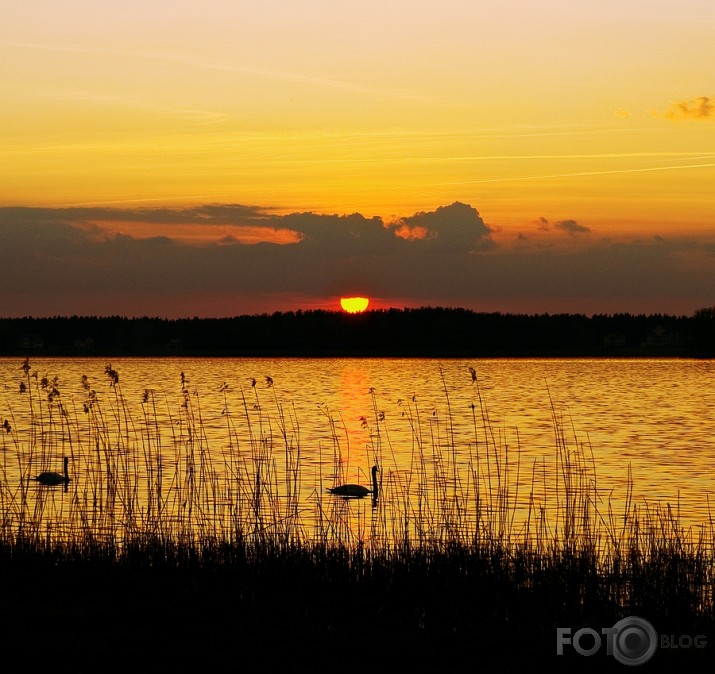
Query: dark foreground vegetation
[445, 609]
[393, 332]
[161, 553]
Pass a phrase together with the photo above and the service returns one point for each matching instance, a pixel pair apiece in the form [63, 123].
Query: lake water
[220, 446]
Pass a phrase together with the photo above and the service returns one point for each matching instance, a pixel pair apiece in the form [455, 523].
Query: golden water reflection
[226, 447]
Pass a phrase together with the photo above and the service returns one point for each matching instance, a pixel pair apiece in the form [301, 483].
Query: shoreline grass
[157, 528]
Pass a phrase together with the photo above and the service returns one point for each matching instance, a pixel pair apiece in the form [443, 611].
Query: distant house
[661, 336]
[83, 343]
[174, 345]
[31, 342]
[614, 339]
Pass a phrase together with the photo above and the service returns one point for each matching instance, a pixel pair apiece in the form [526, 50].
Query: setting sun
[354, 305]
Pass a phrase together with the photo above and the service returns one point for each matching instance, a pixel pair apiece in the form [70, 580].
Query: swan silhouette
[356, 490]
[51, 478]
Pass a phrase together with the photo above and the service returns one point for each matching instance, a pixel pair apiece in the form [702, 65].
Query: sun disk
[354, 305]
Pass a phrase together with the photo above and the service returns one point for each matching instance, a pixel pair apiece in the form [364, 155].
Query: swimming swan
[51, 478]
[356, 490]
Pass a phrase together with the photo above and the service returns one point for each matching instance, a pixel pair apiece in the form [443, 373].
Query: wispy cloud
[702, 107]
[228, 67]
[576, 174]
[571, 227]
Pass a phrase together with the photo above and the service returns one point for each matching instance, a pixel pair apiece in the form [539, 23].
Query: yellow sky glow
[598, 112]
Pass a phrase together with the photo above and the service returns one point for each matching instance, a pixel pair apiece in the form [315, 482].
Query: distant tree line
[426, 332]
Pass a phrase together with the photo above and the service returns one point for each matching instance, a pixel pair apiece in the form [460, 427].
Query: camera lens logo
[634, 641]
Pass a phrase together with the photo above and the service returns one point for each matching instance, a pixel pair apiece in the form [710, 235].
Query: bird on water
[356, 490]
[52, 478]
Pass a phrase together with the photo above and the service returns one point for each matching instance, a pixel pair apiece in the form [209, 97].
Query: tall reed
[145, 476]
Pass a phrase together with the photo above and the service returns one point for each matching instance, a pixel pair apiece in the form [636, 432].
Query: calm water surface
[430, 425]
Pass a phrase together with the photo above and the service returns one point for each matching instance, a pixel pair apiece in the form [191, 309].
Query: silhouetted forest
[426, 332]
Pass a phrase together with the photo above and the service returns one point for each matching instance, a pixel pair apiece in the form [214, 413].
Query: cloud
[455, 227]
[697, 108]
[338, 234]
[414, 233]
[572, 227]
[569, 226]
[204, 224]
[59, 262]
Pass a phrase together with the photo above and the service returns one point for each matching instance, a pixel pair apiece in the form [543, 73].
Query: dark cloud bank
[64, 261]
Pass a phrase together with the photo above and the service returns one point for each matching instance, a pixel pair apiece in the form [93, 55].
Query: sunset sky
[182, 158]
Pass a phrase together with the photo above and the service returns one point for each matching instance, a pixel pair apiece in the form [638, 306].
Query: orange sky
[534, 114]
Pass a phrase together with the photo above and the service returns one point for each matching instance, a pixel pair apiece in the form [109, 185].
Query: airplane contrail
[576, 174]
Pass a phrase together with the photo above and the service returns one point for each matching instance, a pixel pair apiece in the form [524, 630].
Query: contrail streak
[578, 174]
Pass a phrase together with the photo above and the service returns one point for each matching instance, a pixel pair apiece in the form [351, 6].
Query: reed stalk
[147, 481]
